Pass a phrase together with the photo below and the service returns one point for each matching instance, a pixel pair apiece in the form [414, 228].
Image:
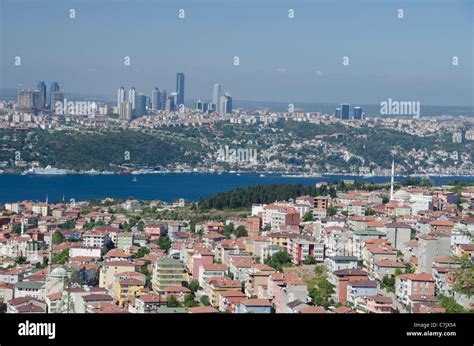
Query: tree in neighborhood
[194, 286]
[205, 300]
[58, 238]
[308, 217]
[172, 302]
[279, 260]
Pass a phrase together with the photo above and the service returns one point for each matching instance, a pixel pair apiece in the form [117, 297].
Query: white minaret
[391, 180]
[22, 227]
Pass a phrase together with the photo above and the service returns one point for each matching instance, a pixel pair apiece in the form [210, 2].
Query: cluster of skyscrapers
[136, 105]
[343, 112]
[221, 104]
[37, 100]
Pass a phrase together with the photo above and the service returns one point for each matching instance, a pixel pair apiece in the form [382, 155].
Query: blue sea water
[165, 187]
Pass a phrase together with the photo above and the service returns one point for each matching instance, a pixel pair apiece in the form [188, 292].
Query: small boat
[134, 179]
[262, 175]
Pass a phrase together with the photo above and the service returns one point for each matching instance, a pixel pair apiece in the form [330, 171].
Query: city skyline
[307, 67]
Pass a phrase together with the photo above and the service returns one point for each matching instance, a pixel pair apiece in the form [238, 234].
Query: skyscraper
[140, 105]
[345, 111]
[131, 97]
[337, 113]
[180, 88]
[120, 96]
[25, 99]
[162, 99]
[216, 96]
[357, 113]
[54, 88]
[155, 99]
[38, 103]
[42, 88]
[56, 96]
[125, 111]
[225, 104]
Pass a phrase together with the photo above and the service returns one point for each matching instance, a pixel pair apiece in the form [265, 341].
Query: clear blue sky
[280, 59]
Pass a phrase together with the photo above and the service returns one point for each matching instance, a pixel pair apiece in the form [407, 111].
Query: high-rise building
[337, 113]
[155, 99]
[357, 113]
[202, 106]
[120, 96]
[38, 103]
[140, 105]
[131, 97]
[125, 111]
[180, 88]
[216, 96]
[345, 111]
[25, 99]
[225, 104]
[54, 88]
[162, 99]
[56, 97]
[42, 88]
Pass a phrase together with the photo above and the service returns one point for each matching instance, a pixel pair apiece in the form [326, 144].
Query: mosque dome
[58, 273]
[401, 195]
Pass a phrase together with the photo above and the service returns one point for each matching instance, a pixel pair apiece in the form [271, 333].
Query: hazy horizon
[281, 59]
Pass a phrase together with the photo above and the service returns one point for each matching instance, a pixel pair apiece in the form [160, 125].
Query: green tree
[194, 286]
[228, 230]
[189, 301]
[240, 232]
[16, 228]
[450, 304]
[309, 260]
[58, 238]
[62, 257]
[205, 300]
[142, 252]
[331, 211]
[20, 260]
[172, 302]
[308, 217]
[279, 260]
[388, 283]
[164, 243]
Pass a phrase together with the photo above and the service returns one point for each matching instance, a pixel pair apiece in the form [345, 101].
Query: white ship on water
[48, 170]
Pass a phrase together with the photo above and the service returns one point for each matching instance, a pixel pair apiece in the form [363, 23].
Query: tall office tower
[25, 99]
[120, 96]
[155, 99]
[357, 113]
[344, 111]
[140, 105]
[337, 113]
[228, 105]
[180, 88]
[38, 103]
[42, 87]
[162, 99]
[56, 96]
[216, 96]
[174, 101]
[198, 105]
[169, 105]
[125, 111]
[225, 104]
[131, 97]
[54, 88]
